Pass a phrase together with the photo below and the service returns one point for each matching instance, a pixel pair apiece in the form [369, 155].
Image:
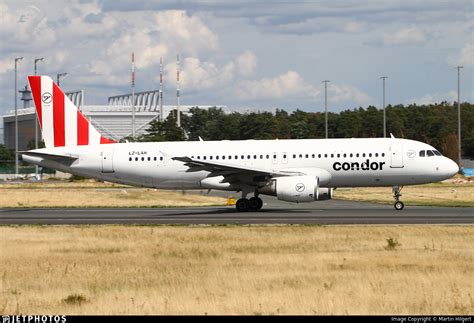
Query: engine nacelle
[297, 188]
[325, 193]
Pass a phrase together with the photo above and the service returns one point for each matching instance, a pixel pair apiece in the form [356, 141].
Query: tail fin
[62, 124]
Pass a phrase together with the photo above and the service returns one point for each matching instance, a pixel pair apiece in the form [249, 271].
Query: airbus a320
[293, 170]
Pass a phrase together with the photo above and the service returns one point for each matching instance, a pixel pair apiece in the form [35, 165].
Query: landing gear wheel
[399, 205]
[255, 203]
[242, 205]
[396, 195]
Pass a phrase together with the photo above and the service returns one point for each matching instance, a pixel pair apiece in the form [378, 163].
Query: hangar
[113, 120]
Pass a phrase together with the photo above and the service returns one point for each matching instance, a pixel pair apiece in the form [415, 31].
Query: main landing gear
[253, 204]
[396, 195]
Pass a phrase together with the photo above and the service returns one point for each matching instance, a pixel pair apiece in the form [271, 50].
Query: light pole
[326, 105]
[133, 96]
[36, 120]
[384, 118]
[16, 117]
[58, 76]
[459, 115]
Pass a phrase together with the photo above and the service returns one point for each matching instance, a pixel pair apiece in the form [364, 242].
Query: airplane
[293, 170]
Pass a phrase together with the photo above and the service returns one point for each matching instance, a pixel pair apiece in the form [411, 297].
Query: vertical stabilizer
[61, 122]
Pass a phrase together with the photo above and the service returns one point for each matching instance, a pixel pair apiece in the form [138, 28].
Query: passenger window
[301, 156]
[344, 155]
[210, 157]
[294, 156]
[376, 155]
[338, 155]
[429, 153]
[274, 156]
[248, 156]
[383, 154]
[357, 155]
[306, 156]
[161, 158]
[217, 157]
[312, 156]
[325, 155]
[370, 155]
[332, 155]
[223, 157]
[143, 158]
[242, 157]
[204, 157]
[422, 153]
[363, 155]
[268, 156]
[319, 155]
[261, 156]
[351, 155]
[130, 159]
[149, 158]
[154, 158]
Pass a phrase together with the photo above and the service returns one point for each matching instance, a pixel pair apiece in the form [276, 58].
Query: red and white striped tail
[62, 124]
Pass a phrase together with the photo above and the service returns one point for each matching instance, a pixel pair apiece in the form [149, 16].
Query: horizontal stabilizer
[63, 159]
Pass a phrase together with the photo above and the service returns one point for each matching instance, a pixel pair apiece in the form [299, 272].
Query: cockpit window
[437, 153]
[429, 153]
[422, 153]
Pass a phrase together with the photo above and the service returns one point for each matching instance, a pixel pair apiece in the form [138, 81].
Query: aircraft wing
[233, 173]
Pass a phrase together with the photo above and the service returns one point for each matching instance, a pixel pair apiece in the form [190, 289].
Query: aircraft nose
[451, 168]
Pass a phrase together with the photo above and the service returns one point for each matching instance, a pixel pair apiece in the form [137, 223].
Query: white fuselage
[337, 162]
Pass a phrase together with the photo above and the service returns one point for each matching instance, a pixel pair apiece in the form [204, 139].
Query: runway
[325, 213]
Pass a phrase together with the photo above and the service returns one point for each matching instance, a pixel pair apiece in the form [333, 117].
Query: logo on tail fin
[46, 98]
[62, 124]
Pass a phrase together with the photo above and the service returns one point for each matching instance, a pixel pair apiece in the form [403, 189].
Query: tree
[7, 156]
[164, 131]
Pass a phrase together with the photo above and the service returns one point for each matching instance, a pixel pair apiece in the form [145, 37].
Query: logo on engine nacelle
[299, 187]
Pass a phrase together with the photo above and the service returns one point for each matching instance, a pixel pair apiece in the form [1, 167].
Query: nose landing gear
[398, 205]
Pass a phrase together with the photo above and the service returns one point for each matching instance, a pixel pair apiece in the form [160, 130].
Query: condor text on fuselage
[367, 165]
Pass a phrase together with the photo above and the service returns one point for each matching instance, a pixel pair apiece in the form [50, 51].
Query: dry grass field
[245, 270]
[439, 194]
[95, 194]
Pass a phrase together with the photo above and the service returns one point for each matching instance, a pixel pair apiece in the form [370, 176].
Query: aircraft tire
[242, 205]
[255, 203]
[398, 205]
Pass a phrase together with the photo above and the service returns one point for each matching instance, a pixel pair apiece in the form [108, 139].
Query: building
[113, 120]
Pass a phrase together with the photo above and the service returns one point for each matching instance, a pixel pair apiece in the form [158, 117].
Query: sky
[257, 55]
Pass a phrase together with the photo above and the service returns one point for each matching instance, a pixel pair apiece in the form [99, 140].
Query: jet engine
[297, 189]
[325, 193]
